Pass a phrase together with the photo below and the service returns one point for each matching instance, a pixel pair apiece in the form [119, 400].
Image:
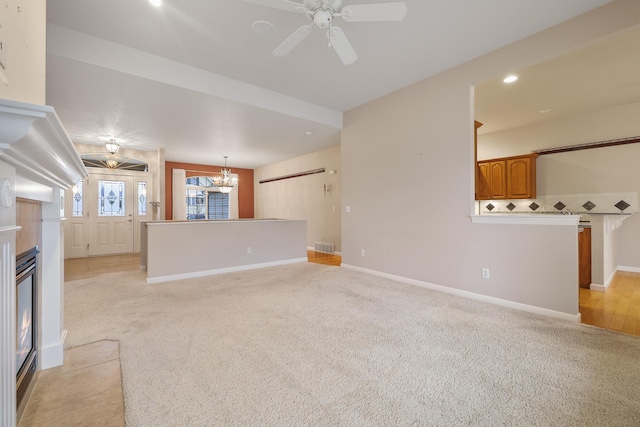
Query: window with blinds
[218, 205]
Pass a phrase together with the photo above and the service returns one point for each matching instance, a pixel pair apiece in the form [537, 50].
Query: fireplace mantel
[33, 140]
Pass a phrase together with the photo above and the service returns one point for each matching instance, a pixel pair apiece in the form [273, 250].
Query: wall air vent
[328, 248]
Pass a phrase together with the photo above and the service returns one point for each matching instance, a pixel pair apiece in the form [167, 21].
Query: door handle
[130, 220]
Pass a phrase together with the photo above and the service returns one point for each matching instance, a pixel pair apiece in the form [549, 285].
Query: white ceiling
[193, 78]
[603, 74]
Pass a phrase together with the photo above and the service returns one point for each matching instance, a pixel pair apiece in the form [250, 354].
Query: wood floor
[82, 268]
[323, 258]
[617, 308]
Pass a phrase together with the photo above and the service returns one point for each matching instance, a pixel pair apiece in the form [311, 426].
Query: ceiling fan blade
[293, 40]
[289, 6]
[374, 12]
[341, 44]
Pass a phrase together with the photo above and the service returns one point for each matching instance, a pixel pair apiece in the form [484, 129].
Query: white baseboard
[628, 269]
[52, 355]
[162, 279]
[602, 288]
[472, 295]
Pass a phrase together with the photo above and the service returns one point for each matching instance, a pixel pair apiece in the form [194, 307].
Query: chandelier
[225, 183]
[112, 147]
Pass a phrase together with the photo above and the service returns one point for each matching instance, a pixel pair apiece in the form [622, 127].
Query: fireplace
[26, 311]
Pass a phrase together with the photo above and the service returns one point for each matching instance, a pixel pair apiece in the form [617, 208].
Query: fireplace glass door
[26, 346]
[25, 319]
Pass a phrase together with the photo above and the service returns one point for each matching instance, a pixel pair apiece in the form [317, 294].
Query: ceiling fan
[321, 14]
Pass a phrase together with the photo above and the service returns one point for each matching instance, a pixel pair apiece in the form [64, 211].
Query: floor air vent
[324, 247]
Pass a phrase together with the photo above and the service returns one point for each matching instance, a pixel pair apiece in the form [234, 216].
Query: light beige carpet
[308, 344]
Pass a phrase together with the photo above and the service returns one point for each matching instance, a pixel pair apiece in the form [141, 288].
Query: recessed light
[544, 110]
[510, 78]
[308, 133]
[156, 3]
[263, 28]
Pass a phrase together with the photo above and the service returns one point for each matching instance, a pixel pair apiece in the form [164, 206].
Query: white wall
[304, 197]
[424, 133]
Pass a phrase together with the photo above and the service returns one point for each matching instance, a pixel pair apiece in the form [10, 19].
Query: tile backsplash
[591, 203]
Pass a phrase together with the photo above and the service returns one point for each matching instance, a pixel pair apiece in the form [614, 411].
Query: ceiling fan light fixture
[322, 19]
[321, 13]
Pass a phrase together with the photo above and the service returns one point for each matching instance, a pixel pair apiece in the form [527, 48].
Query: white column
[8, 230]
[179, 194]
[8, 326]
[52, 290]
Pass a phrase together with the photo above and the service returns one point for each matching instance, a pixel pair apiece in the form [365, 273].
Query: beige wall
[304, 197]
[424, 134]
[183, 249]
[24, 32]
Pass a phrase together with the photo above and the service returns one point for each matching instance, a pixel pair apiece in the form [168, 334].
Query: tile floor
[85, 391]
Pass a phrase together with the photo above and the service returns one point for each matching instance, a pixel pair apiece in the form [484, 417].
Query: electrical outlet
[348, 209]
[486, 273]
[249, 250]
[362, 253]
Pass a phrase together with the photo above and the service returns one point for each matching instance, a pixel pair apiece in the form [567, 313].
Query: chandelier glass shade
[224, 182]
[112, 146]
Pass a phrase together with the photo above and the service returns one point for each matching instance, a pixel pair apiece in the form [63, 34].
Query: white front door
[101, 223]
[110, 213]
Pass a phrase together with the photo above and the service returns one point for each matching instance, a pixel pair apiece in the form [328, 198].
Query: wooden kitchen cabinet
[584, 257]
[507, 178]
[521, 177]
[492, 180]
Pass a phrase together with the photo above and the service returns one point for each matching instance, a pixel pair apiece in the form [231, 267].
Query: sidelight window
[142, 198]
